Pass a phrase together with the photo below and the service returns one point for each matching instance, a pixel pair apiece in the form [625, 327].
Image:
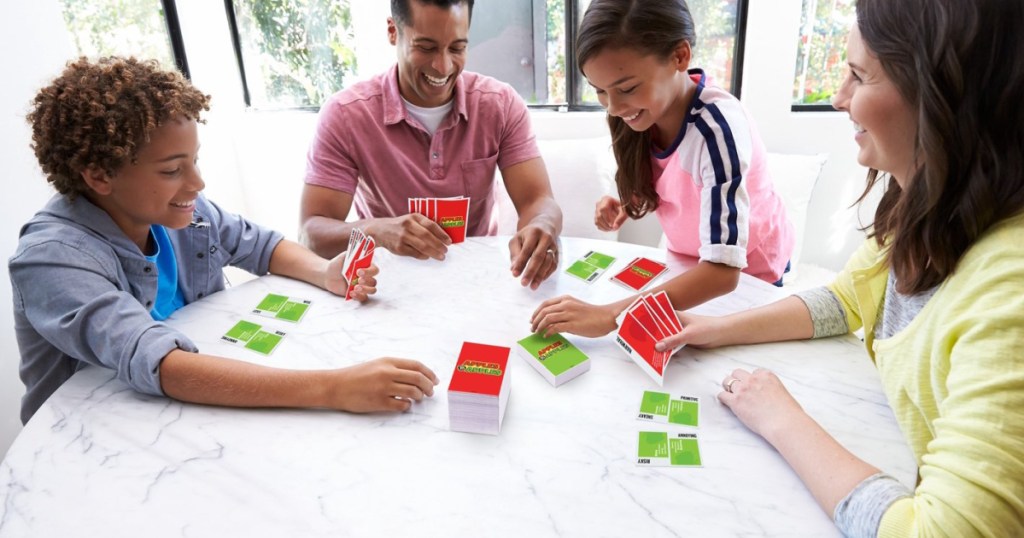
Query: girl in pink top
[685, 150]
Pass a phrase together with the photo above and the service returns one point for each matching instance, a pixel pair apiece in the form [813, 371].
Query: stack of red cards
[649, 320]
[639, 273]
[479, 389]
[358, 256]
[451, 214]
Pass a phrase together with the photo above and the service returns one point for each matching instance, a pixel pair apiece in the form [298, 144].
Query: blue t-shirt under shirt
[168, 295]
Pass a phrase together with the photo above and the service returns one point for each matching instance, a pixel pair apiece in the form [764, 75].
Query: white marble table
[101, 460]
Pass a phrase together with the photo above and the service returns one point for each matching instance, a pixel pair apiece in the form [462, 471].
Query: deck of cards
[451, 214]
[478, 392]
[553, 357]
[649, 320]
[358, 256]
[639, 273]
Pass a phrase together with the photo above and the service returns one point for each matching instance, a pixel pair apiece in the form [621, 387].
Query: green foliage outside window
[821, 54]
[119, 28]
[299, 51]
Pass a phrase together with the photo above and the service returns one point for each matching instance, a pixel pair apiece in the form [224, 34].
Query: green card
[554, 357]
[663, 408]
[282, 307]
[660, 449]
[590, 267]
[253, 336]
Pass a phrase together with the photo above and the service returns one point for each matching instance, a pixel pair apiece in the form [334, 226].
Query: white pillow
[582, 170]
[794, 177]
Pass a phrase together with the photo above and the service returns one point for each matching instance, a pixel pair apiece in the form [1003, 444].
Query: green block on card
[272, 303]
[292, 311]
[603, 261]
[243, 330]
[583, 270]
[655, 403]
[684, 452]
[683, 412]
[652, 445]
[264, 342]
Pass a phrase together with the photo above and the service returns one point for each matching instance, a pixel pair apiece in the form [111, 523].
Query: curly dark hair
[100, 113]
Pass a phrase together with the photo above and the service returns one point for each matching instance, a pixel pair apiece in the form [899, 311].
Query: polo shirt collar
[394, 107]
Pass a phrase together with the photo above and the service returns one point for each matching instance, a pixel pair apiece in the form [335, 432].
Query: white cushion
[794, 177]
[582, 170]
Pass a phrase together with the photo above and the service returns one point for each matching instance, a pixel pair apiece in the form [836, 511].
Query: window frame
[573, 80]
[174, 32]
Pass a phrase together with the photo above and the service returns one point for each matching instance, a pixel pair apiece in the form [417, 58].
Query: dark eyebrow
[173, 157]
[613, 84]
[421, 40]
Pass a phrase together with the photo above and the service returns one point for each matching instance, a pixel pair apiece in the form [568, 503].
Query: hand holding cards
[451, 214]
[358, 256]
[649, 320]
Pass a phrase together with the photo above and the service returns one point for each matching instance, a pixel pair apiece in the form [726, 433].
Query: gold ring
[728, 386]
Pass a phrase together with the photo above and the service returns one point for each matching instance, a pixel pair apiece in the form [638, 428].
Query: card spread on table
[662, 407]
[590, 266]
[639, 273]
[451, 214]
[660, 449]
[554, 357]
[282, 307]
[359, 255]
[479, 389]
[643, 324]
[253, 336]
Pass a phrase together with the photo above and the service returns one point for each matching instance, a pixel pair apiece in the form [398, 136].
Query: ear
[392, 31]
[97, 180]
[682, 56]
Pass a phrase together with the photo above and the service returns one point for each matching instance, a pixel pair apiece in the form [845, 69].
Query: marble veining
[101, 459]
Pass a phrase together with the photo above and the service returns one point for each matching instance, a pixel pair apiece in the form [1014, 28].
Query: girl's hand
[570, 315]
[609, 215]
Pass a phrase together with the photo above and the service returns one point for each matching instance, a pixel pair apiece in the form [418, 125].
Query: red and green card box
[554, 357]
[479, 389]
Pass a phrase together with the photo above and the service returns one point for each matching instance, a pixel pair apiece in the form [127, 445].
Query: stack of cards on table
[554, 357]
[359, 256]
[639, 273]
[646, 322]
[590, 266]
[479, 389]
[451, 214]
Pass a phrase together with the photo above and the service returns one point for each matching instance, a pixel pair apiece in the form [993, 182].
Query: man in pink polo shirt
[426, 128]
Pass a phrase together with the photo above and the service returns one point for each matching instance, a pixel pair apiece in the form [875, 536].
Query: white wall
[34, 51]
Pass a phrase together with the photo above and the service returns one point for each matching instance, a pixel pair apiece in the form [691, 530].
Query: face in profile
[431, 52]
[884, 122]
[159, 187]
[643, 90]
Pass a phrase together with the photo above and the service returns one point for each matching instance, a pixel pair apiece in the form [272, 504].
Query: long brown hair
[958, 64]
[649, 27]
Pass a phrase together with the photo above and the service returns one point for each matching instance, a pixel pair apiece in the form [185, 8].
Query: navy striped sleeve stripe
[720, 177]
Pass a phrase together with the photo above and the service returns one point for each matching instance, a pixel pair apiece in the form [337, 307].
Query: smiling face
[884, 121]
[643, 90]
[431, 52]
[160, 187]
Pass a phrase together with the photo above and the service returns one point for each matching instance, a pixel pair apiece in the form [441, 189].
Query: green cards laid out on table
[253, 336]
[662, 407]
[590, 267]
[282, 307]
[553, 357]
[661, 449]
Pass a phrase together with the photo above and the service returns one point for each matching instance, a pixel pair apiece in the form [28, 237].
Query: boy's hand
[365, 281]
[385, 384]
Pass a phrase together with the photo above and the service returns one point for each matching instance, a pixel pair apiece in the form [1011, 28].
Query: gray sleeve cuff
[140, 369]
[860, 512]
[827, 313]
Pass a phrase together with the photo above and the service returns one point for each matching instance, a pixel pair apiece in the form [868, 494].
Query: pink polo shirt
[716, 198]
[366, 143]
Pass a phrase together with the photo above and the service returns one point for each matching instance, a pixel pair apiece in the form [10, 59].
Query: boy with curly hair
[129, 239]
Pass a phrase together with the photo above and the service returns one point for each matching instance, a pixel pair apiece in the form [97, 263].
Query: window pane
[821, 52]
[296, 52]
[714, 52]
[119, 27]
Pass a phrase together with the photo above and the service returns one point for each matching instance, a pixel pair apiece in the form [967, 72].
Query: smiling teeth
[857, 127]
[181, 204]
[631, 118]
[436, 81]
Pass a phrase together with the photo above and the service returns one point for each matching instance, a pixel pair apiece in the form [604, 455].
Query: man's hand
[410, 235]
[534, 253]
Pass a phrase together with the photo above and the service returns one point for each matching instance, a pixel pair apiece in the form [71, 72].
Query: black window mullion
[236, 42]
[740, 47]
[174, 32]
[574, 94]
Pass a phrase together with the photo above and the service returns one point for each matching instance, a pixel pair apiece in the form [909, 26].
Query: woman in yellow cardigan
[933, 91]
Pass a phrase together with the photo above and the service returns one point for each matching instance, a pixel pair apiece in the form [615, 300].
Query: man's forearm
[329, 237]
[544, 212]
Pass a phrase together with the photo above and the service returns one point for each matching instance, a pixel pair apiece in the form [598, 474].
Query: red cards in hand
[639, 273]
[358, 256]
[646, 322]
[451, 214]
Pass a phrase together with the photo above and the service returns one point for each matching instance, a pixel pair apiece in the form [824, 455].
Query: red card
[638, 274]
[661, 298]
[639, 345]
[480, 369]
[452, 216]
